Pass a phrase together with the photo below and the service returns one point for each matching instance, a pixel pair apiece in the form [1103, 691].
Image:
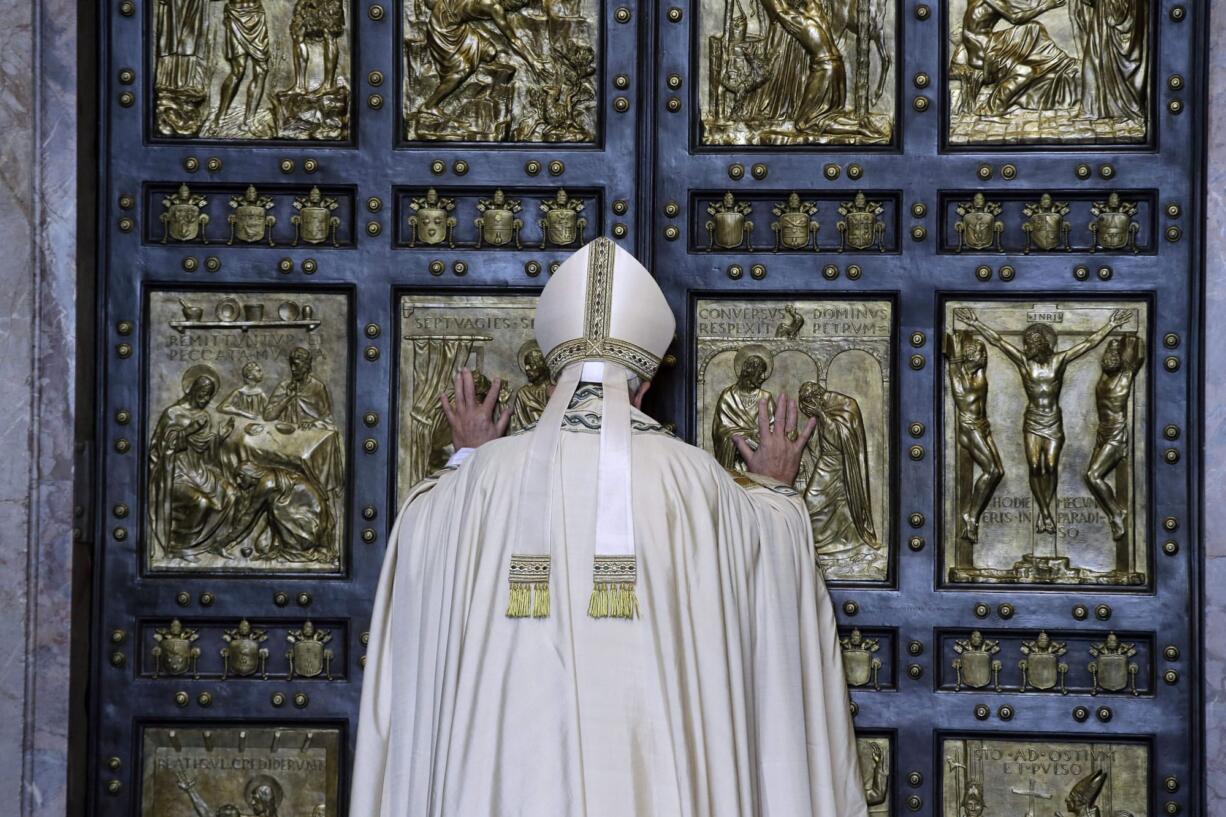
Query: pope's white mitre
[602, 304]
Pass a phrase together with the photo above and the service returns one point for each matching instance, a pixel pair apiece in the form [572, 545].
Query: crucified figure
[1042, 370]
[968, 385]
[1122, 359]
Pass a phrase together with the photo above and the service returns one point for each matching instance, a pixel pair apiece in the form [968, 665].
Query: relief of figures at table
[247, 404]
[1045, 418]
[983, 777]
[1021, 661]
[500, 70]
[795, 222]
[834, 358]
[233, 771]
[491, 335]
[558, 218]
[247, 216]
[797, 72]
[1049, 71]
[252, 69]
[1044, 222]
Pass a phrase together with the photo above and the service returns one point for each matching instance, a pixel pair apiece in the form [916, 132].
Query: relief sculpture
[230, 771]
[240, 479]
[797, 72]
[984, 777]
[874, 755]
[1076, 522]
[833, 356]
[500, 70]
[440, 334]
[1055, 71]
[252, 69]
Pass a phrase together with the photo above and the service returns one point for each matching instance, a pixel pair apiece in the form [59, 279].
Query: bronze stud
[855, 709]
[620, 207]
[310, 165]
[854, 171]
[830, 272]
[370, 445]
[126, 225]
[915, 779]
[1080, 714]
[1178, 13]
[916, 452]
[124, 350]
[919, 209]
[120, 510]
[1106, 171]
[622, 15]
[304, 599]
[1170, 340]
[213, 164]
[372, 330]
[301, 700]
[280, 598]
[373, 228]
[916, 429]
[1005, 610]
[915, 647]
[1006, 273]
[287, 165]
[1080, 612]
[1171, 432]
[759, 171]
[621, 82]
[621, 104]
[532, 167]
[1173, 210]
[1008, 172]
[915, 672]
[672, 209]
[375, 78]
[556, 168]
[286, 265]
[183, 598]
[182, 698]
[212, 263]
[375, 12]
[915, 802]
[1171, 456]
[1171, 807]
[735, 271]
[126, 202]
[1170, 547]
[1105, 273]
[1103, 713]
[368, 535]
[919, 233]
[921, 80]
[831, 171]
[127, 8]
[123, 417]
[982, 610]
[916, 543]
[459, 167]
[309, 266]
[757, 272]
[553, 266]
[532, 268]
[918, 339]
[205, 699]
[120, 534]
[277, 699]
[1171, 653]
[118, 659]
[984, 172]
[671, 232]
[1173, 234]
[207, 599]
[673, 104]
[369, 512]
[674, 81]
[191, 164]
[190, 264]
[1005, 712]
[1171, 364]
[1102, 612]
[460, 268]
[736, 171]
[437, 267]
[122, 445]
[983, 272]
[620, 230]
[371, 419]
[124, 327]
[1081, 272]
[438, 167]
[850, 607]
[1083, 171]
[922, 12]
[920, 103]
[371, 353]
[915, 519]
[114, 763]
[1175, 106]
[982, 712]
[917, 362]
[674, 15]
[854, 272]
[1174, 82]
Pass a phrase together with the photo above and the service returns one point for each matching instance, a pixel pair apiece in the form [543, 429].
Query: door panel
[829, 213]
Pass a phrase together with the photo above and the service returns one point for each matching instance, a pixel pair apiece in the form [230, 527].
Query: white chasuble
[724, 697]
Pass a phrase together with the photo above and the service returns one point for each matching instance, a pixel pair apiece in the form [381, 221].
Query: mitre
[601, 315]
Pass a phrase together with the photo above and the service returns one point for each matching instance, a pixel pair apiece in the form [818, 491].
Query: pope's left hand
[472, 421]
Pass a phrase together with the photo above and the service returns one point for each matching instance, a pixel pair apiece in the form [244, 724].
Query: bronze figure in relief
[243, 654]
[859, 664]
[1042, 668]
[1045, 226]
[966, 360]
[736, 408]
[308, 656]
[1111, 669]
[498, 225]
[1113, 226]
[176, 651]
[791, 324]
[1121, 360]
[729, 227]
[314, 222]
[875, 768]
[181, 218]
[432, 222]
[975, 666]
[250, 220]
[529, 401]
[795, 229]
[978, 227]
[861, 226]
[562, 225]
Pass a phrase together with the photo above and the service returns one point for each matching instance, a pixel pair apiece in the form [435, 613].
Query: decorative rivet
[460, 268]
[674, 15]
[123, 417]
[1170, 652]
[183, 598]
[459, 167]
[916, 543]
[672, 232]
[556, 168]
[286, 265]
[370, 445]
[118, 659]
[736, 171]
[1005, 712]
[914, 802]
[277, 699]
[850, 607]
[1080, 612]
[373, 228]
[1103, 713]
[759, 171]
[919, 209]
[1170, 340]
[375, 78]
[1106, 171]
[855, 709]
[371, 419]
[916, 429]
[915, 779]
[915, 672]
[304, 599]
[621, 82]
[375, 12]
[123, 445]
[372, 330]
[213, 164]
[735, 271]
[922, 12]
[553, 266]
[437, 267]
[1171, 364]
[190, 264]
[1008, 172]
[915, 647]
[982, 712]
[191, 164]
[532, 268]
[1170, 783]
[205, 699]
[674, 81]
[369, 512]
[301, 700]
[127, 202]
[830, 272]
[982, 610]
[1006, 272]
[916, 519]
[1083, 171]
[621, 104]
[118, 636]
[921, 80]
[1080, 713]
[920, 103]
[310, 165]
[622, 15]
[620, 207]
[120, 534]
[287, 165]
[983, 272]
[438, 167]
[1171, 677]
[757, 272]
[372, 353]
[368, 535]
[1170, 547]
[207, 599]
[1081, 272]
[1171, 456]
[532, 167]
[1102, 612]
[114, 763]
[854, 171]
[1175, 106]
[1174, 82]
[672, 209]
[124, 327]
[182, 698]
[620, 230]
[831, 171]
[1178, 13]
[126, 225]
[280, 598]
[1105, 273]
[917, 362]
[919, 233]
[1005, 610]
[984, 172]
[120, 511]
[1171, 807]
[212, 263]
[916, 452]
[854, 272]
[127, 8]
[1173, 233]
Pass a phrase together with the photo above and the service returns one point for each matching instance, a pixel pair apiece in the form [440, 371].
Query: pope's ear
[637, 397]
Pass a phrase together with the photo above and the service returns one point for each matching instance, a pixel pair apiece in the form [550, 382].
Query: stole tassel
[529, 591]
[613, 588]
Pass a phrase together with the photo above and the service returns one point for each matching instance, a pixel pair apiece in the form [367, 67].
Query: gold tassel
[529, 593]
[610, 600]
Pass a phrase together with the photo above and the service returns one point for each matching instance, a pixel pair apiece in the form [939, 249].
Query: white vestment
[725, 697]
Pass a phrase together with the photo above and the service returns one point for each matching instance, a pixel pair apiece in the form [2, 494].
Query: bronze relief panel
[1045, 417]
[252, 69]
[875, 769]
[498, 218]
[228, 771]
[500, 71]
[1052, 71]
[1115, 222]
[249, 216]
[439, 335]
[247, 404]
[835, 357]
[229, 649]
[778, 72]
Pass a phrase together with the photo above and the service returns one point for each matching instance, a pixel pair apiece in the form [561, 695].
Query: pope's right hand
[472, 421]
[780, 447]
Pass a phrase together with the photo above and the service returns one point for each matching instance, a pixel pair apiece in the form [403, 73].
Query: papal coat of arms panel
[835, 357]
[783, 73]
[439, 334]
[1049, 72]
[208, 769]
[248, 403]
[506, 71]
[251, 69]
[1045, 426]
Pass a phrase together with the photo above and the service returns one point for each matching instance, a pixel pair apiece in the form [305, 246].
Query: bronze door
[972, 246]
